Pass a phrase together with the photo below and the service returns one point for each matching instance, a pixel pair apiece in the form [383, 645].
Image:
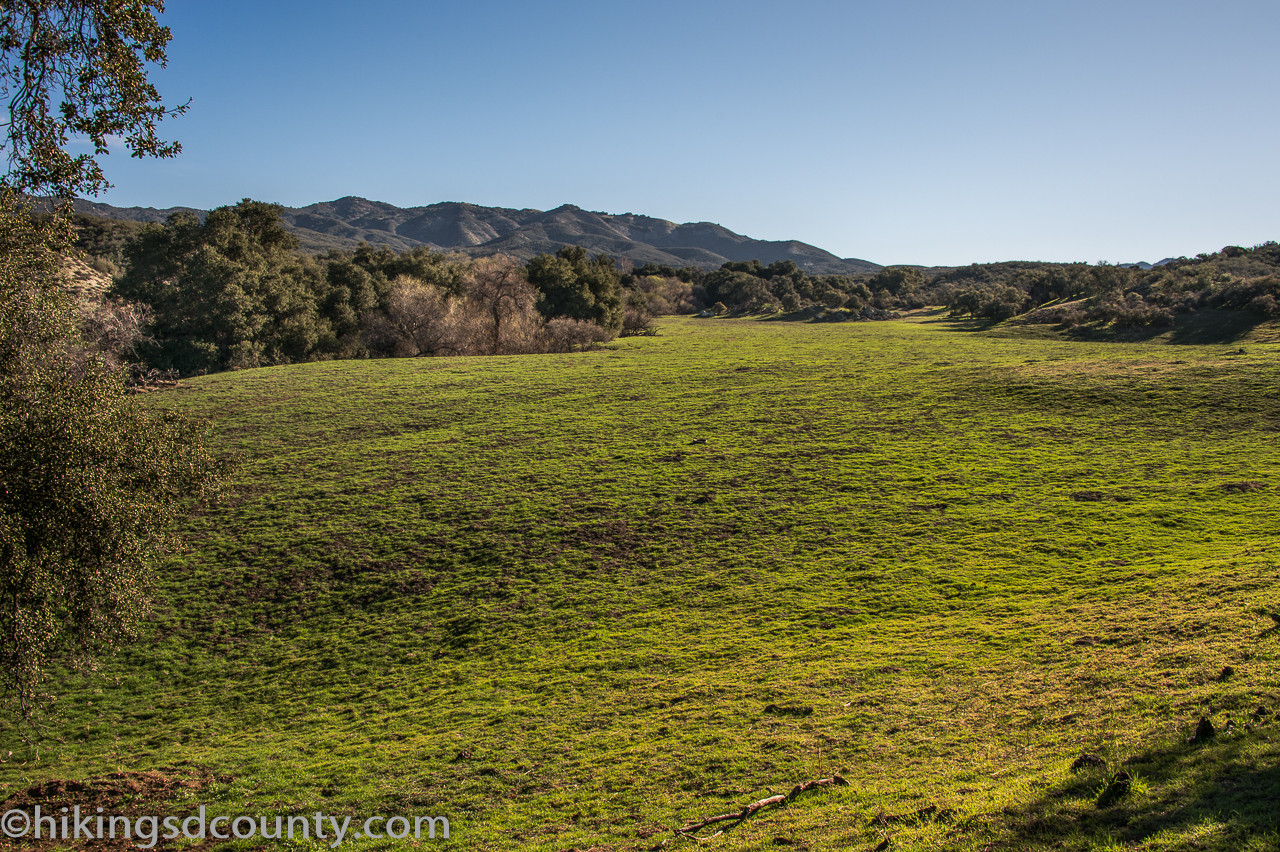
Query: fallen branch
[142, 380]
[755, 807]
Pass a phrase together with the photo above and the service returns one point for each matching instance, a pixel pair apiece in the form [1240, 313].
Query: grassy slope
[552, 597]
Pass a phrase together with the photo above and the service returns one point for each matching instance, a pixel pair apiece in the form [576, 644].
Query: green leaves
[91, 482]
[575, 286]
[78, 68]
[229, 292]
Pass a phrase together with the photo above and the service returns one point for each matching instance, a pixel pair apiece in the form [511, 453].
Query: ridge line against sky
[934, 133]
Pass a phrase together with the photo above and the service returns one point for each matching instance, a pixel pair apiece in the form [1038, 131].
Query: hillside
[580, 601]
[480, 230]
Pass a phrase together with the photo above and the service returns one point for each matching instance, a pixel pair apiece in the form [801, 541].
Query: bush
[637, 322]
[1266, 305]
[662, 296]
[568, 335]
[420, 319]
[104, 266]
[997, 304]
[113, 328]
[999, 310]
[1135, 316]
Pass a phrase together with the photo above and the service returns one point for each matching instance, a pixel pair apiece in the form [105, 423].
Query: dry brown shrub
[568, 335]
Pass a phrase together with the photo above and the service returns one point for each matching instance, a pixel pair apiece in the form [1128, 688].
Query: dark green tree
[898, 280]
[232, 292]
[88, 480]
[571, 284]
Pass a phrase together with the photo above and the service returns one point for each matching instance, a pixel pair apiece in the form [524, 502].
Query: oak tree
[89, 481]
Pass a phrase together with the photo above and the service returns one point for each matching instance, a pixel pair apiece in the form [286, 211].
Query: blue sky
[899, 131]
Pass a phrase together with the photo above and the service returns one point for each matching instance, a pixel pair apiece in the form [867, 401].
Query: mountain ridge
[477, 230]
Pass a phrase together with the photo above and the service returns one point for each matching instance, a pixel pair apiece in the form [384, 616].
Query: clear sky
[898, 131]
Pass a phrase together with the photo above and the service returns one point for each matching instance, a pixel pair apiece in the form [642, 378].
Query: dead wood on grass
[755, 807]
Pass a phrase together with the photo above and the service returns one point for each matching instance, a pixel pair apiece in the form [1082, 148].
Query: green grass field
[578, 601]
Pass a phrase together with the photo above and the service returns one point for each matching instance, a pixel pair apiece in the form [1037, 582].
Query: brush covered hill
[480, 231]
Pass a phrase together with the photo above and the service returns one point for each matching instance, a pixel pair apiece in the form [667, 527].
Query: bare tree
[504, 301]
[421, 319]
[113, 327]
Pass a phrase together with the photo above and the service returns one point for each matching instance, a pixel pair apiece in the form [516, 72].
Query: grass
[578, 601]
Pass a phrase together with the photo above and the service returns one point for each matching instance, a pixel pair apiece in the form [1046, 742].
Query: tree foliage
[88, 480]
[420, 319]
[78, 68]
[503, 301]
[230, 292]
[572, 285]
[752, 287]
[234, 292]
[1106, 294]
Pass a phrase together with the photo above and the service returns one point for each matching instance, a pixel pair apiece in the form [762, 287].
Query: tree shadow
[1204, 327]
[966, 324]
[1198, 328]
[1215, 326]
[1224, 793]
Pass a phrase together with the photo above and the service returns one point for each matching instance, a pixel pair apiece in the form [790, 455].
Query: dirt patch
[126, 794]
[930, 813]
[1100, 496]
[1242, 487]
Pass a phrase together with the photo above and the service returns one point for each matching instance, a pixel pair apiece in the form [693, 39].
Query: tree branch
[755, 807]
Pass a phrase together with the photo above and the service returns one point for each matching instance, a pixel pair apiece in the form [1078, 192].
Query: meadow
[580, 601]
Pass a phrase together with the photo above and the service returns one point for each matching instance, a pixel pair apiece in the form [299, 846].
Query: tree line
[1235, 278]
[234, 291]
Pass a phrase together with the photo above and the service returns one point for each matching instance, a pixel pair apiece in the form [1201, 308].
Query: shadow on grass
[1214, 326]
[958, 324]
[1197, 328]
[1220, 796]
[1204, 327]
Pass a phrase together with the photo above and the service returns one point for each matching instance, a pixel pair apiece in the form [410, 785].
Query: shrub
[662, 296]
[562, 334]
[420, 319]
[113, 328]
[1266, 305]
[1133, 312]
[998, 310]
[637, 322]
[105, 266]
[1067, 315]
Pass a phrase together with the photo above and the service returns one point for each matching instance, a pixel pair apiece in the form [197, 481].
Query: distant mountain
[1143, 265]
[476, 230]
[133, 214]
